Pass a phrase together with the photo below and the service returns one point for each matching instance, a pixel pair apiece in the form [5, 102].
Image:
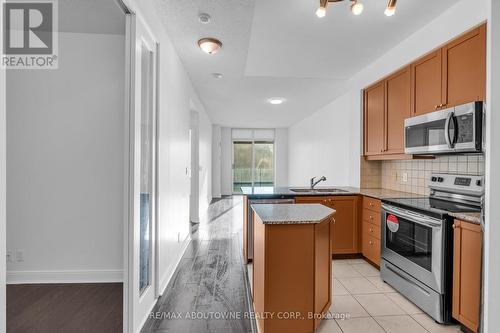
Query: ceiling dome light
[357, 7]
[210, 45]
[321, 11]
[217, 75]
[391, 8]
[276, 100]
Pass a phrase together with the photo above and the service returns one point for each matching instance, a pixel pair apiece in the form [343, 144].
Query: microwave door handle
[447, 129]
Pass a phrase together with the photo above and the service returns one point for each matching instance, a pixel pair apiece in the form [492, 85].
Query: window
[253, 164]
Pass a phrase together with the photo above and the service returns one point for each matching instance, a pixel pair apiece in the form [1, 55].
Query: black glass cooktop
[432, 206]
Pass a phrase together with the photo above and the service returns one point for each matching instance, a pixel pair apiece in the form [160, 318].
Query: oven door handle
[425, 221]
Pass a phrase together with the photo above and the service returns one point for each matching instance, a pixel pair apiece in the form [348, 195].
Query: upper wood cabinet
[464, 68]
[426, 83]
[467, 239]
[374, 111]
[387, 105]
[452, 75]
[397, 88]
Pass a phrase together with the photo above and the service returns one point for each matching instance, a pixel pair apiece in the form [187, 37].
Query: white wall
[491, 290]
[205, 178]
[216, 161]
[346, 106]
[281, 156]
[2, 195]
[65, 131]
[319, 146]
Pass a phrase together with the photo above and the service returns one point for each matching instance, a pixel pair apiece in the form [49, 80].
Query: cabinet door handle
[371, 204]
[371, 230]
[371, 217]
[456, 226]
[371, 243]
[333, 220]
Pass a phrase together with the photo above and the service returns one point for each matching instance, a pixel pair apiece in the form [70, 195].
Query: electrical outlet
[10, 257]
[20, 255]
[404, 177]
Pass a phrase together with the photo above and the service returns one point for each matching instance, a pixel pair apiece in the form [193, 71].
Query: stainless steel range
[417, 241]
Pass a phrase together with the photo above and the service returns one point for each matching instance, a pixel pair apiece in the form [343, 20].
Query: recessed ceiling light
[217, 75]
[391, 8]
[276, 100]
[204, 18]
[210, 45]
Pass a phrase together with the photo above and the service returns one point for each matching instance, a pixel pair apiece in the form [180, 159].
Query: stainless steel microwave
[454, 130]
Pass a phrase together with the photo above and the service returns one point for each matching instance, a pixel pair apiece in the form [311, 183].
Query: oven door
[415, 244]
[457, 129]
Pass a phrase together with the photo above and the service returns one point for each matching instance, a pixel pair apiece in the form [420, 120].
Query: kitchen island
[292, 266]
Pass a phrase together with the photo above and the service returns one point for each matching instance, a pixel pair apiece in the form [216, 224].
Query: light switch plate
[404, 177]
[19, 255]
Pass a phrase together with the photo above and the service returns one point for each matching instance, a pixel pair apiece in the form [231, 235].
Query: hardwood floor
[61, 308]
[210, 281]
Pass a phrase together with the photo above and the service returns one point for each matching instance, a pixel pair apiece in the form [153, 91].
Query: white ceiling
[279, 48]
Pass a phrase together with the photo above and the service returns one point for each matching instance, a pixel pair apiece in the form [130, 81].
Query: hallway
[210, 280]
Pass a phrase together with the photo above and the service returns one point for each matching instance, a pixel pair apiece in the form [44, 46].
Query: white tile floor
[371, 306]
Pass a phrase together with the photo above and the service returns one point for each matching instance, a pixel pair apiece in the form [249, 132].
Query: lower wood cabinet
[371, 248]
[371, 229]
[467, 273]
[346, 230]
[292, 275]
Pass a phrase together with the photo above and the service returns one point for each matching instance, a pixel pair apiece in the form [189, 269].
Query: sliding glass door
[253, 164]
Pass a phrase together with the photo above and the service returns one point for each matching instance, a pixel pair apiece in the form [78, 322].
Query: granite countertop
[468, 217]
[292, 213]
[283, 192]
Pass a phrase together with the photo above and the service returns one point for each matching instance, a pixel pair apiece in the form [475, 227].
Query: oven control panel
[457, 183]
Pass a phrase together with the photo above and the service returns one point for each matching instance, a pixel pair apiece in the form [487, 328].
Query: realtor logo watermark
[30, 38]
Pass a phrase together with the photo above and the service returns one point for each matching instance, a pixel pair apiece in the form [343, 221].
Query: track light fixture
[356, 7]
[321, 11]
[391, 8]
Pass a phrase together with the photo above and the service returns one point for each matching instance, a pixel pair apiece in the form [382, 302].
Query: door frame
[3, 179]
[129, 289]
[252, 141]
[194, 143]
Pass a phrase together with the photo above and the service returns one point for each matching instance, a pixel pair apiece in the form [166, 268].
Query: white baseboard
[73, 276]
[164, 281]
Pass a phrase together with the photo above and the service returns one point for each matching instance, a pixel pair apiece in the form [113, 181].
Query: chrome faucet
[314, 183]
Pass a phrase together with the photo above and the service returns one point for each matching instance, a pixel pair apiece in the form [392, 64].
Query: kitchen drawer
[371, 248]
[372, 204]
[371, 216]
[371, 229]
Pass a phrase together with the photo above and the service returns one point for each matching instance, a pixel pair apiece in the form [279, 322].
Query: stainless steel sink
[318, 190]
[330, 190]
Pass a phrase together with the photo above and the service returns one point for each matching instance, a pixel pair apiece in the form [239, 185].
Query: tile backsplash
[413, 175]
